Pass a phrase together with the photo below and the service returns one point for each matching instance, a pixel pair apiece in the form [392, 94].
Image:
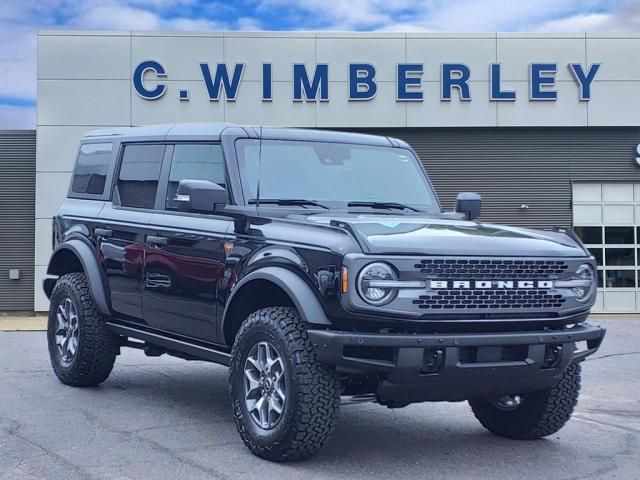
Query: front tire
[272, 359]
[540, 414]
[81, 349]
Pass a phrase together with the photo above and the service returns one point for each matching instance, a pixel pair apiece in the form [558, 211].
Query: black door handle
[102, 232]
[152, 239]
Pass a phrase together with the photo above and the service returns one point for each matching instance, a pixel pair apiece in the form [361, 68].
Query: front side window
[139, 175]
[333, 173]
[92, 167]
[194, 162]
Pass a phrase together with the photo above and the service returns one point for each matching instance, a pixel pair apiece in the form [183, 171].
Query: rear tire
[310, 392]
[540, 414]
[81, 349]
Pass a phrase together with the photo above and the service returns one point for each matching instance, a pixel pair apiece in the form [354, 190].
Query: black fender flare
[85, 254]
[296, 288]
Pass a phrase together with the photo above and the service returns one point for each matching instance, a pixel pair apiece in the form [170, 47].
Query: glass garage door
[606, 216]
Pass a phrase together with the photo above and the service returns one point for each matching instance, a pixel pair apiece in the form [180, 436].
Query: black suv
[316, 265]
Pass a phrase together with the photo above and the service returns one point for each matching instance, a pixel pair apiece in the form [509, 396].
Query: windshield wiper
[287, 202]
[385, 205]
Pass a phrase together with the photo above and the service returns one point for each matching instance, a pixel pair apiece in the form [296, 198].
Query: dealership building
[545, 127]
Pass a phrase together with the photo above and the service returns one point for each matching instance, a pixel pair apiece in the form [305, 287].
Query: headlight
[585, 283]
[373, 283]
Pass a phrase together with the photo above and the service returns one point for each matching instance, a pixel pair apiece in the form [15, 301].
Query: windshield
[333, 174]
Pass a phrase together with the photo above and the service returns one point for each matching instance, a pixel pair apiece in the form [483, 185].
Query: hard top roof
[212, 131]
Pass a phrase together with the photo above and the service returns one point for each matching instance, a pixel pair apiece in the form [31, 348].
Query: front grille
[492, 299]
[485, 269]
[459, 299]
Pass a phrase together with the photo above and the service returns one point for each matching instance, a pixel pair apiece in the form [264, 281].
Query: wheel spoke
[67, 309]
[252, 385]
[264, 414]
[278, 391]
[255, 363]
[262, 356]
[65, 348]
[259, 408]
[61, 319]
[272, 362]
[278, 387]
[73, 346]
[273, 405]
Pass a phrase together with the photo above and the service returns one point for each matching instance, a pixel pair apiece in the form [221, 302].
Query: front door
[185, 253]
[184, 262]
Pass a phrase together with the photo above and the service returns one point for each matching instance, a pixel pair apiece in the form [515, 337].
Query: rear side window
[92, 167]
[139, 175]
[194, 162]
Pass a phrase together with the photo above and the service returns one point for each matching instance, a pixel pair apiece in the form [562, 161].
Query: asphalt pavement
[166, 418]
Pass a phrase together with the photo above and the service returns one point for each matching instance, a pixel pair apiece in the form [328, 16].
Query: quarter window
[92, 167]
[194, 162]
[139, 174]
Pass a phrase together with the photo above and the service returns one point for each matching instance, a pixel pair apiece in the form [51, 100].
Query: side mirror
[200, 196]
[469, 204]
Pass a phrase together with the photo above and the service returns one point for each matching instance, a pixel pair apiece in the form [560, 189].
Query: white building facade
[545, 127]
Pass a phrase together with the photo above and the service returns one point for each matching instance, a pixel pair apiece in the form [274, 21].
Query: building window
[618, 235]
[589, 234]
[92, 167]
[614, 248]
[139, 175]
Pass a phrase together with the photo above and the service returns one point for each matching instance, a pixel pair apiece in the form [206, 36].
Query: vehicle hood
[430, 235]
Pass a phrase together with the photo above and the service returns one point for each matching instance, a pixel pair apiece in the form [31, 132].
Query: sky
[21, 19]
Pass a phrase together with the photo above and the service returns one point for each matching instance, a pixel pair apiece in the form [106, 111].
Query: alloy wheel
[265, 389]
[67, 331]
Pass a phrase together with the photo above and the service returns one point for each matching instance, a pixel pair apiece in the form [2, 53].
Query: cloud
[429, 15]
[17, 61]
[17, 118]
[339, 14]
[624, 19]
[116, 17]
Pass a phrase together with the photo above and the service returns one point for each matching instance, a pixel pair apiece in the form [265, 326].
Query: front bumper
[434, 367]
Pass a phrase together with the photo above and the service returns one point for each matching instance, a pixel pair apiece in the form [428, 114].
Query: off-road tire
[313, 394]
[542, 413]
[97, 347]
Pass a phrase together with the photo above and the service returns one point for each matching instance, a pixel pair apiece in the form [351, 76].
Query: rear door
[185, 254]
[122, 233]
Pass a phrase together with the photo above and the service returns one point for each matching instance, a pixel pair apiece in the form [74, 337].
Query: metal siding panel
[515, 166]
[17, 217]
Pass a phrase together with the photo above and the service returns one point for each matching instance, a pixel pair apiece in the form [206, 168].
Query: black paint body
[185, 281]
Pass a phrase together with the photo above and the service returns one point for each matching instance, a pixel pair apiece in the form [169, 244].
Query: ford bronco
[320, 268]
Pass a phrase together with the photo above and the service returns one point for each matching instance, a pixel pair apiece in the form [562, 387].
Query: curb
[23, 324]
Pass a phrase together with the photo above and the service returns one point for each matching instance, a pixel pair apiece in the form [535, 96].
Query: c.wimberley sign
[311, 84]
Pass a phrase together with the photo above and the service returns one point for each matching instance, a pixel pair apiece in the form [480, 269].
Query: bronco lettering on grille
[491, 284]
